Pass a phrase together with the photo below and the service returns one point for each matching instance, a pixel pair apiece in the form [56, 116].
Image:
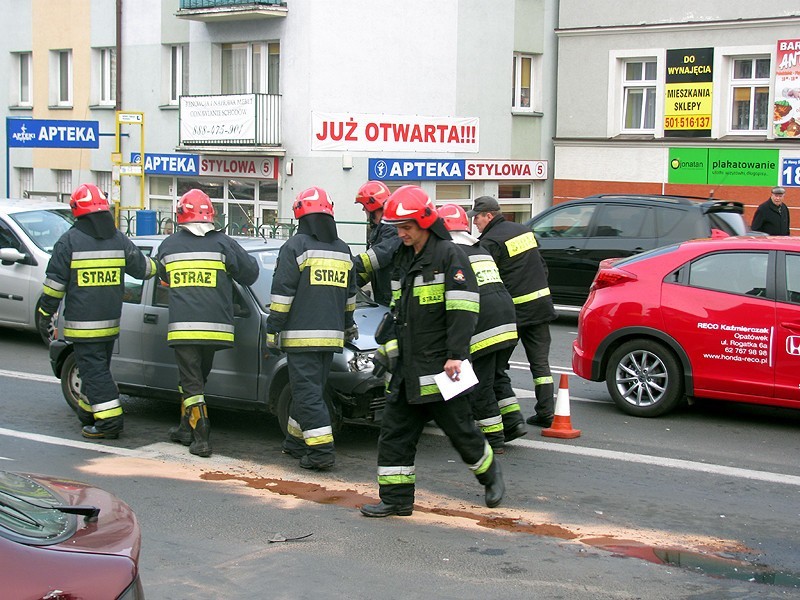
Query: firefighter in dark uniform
[494, 340]
[198, 263]
[435, 305]
[86, 271]
[311, 317]
[374, 264]
[515, 250]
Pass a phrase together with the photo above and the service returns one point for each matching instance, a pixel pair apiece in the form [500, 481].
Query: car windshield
[25, 514]
[44, 227]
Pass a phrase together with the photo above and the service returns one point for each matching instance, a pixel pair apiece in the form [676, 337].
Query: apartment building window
[61, 78]
[750, 93]
[25, 180]
[24, 78]
[179, 72]
[523, 84]
[103, 181]
[250, 68]
[639, 95]
[107, 75]
[64, 184]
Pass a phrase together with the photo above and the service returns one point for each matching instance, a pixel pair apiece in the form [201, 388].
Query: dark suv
[576, 235]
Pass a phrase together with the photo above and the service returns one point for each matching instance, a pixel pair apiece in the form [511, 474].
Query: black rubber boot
[545, 406]
[183, 432]
[103, 429]
[387, 510]
[201, 430]
[493, 483]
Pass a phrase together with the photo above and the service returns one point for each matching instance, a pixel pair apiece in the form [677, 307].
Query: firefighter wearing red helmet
[524, 272]
[311, 318]
[435, 306]
[374, 264]
[86, 273]
[494, 339]
[199, 263]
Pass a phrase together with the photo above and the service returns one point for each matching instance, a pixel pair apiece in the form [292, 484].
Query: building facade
[256, 101]
[680, 98]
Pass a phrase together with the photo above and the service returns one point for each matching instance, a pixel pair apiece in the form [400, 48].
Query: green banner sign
[739, 166]
[688, 165]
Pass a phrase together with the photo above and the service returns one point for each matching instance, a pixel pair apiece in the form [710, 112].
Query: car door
[19, 281]
[619, 230]
[722, 313]
[787, 331]
[562, 233]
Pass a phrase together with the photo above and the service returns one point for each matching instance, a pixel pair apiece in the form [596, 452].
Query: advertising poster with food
[786, 112]
[688, 92]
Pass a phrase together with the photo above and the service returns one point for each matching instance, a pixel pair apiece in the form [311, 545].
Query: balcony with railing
[231, 10]
[233, 120]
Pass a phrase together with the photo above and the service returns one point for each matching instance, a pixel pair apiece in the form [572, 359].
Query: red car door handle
[791, 326]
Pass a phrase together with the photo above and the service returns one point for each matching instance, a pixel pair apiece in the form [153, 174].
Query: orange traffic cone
[562, 424]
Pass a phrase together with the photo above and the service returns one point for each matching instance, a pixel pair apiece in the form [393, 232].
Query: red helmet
[195, 207]
[454, 217]
[312, 200]
[86, 199]
[410, 203]
[373, 195]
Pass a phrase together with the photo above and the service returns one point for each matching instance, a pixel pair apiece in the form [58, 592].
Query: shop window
[749, 85]
[453, 192]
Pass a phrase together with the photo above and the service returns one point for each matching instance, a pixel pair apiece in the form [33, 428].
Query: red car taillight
[610, 277]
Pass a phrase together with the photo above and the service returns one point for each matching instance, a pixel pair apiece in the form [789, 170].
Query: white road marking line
[161, 450]
[29, 376]
[645, 459]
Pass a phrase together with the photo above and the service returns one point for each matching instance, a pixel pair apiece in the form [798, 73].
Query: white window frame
[752, 83]
[61, 78]
[247, 86]
[643, 85]
[178, 72]
[24, 79]
[25, 181]
[616, 84]
[520, 70]
[106, 69]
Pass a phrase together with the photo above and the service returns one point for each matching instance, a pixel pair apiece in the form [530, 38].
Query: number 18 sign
[790, 172]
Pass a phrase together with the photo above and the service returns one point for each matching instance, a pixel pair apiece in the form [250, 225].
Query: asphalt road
[713, 492]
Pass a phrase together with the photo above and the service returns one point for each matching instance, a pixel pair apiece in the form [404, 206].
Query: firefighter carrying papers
[450, 388]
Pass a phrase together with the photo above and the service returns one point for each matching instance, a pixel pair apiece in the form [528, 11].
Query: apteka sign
[46, 133]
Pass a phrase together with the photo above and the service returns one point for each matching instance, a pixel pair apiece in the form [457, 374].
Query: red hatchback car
[65, 540]
[705, 318]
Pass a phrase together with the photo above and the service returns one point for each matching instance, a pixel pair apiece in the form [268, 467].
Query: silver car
[28, 231]
[246, 377]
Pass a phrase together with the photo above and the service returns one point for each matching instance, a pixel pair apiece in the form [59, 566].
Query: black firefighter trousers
[309, 424]
[401, 428]
[97, 384]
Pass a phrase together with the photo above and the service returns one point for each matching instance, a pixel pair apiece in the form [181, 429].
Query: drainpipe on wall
[118, 97]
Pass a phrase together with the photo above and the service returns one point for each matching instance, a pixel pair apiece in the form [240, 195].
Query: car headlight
[360, 362]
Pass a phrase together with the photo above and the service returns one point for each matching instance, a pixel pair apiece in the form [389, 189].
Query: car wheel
[71, 381]
[284, 405]
[644, 378]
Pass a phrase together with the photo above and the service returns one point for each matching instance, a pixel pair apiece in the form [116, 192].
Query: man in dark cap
[515, 250]
[772, 216]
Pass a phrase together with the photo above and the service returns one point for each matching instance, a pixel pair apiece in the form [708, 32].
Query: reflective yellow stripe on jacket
[198, 330]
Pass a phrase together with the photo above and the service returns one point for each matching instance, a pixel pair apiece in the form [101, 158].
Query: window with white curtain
[750, 108]
[61, 77]
[64, 183]
[24, 65]
[639, 95]
[107, 80]
[25, 180]
[250, 67]
[179, 72]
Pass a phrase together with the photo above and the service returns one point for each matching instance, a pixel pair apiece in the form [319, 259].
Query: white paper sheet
[450, 388]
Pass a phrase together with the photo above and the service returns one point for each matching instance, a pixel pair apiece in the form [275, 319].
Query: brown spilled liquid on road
[701, 562]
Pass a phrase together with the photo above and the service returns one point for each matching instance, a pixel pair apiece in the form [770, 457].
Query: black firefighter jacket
[198, 270]
[515, 250]
[88, 273]
[374, 264]
[497, 319]
[313, 295]
[436, 305]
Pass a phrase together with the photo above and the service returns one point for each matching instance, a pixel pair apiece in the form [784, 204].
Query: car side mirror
[9, 256]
